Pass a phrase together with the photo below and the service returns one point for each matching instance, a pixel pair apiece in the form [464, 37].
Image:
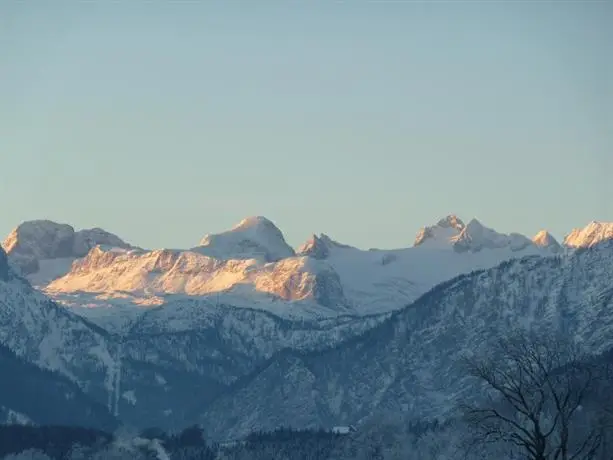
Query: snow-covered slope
[383, 280]
[44, 250]
[594, 233]
[151, 367]
[148, 276]
[48, 335]
[31, 395]
[251, 265]
[412, 362]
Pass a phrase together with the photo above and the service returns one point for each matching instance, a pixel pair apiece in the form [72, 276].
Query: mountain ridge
[408, 363]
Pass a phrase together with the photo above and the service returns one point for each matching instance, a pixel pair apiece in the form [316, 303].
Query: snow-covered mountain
[217, 326]
[251, 265]
[149, 371]
[451, 232]
[594, 233]
[44, 250]
[411, 363]
[47, 335]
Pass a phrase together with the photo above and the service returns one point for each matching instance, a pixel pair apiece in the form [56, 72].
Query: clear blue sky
[365, 120]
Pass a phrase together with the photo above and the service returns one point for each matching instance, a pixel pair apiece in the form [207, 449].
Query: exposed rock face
[303, 278]
[544, 239]
[594, 233]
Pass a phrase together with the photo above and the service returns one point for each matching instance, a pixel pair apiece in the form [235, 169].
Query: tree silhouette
[544, 398]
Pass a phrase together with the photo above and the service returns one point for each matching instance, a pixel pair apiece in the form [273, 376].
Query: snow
[251, 266]
[50, 269]
[45, 249]
[324, 279]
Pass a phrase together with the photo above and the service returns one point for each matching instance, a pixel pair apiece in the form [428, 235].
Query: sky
[164, 121]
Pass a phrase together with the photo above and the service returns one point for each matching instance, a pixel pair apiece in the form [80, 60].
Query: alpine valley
[243, 332]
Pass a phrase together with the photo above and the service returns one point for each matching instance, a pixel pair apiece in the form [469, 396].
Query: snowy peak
[594, 233]
[39, 239]
[84, 240]
[257, 224]
[451, 221]
[255, 237]
[544, 239]
[476, 237]
[36, 241]
[441, 234]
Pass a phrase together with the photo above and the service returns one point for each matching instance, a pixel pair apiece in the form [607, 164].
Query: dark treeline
[55, 441]
[68, 443]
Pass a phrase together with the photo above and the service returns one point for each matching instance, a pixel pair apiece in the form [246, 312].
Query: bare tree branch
[543, 384]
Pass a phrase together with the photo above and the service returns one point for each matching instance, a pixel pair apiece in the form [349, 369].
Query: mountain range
[251, 265]
[243, 332]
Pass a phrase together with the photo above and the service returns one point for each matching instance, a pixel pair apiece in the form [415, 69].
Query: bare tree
[543, 399]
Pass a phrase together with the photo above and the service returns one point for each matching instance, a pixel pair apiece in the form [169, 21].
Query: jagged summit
[441, 234]
[252, 264]
[452, 233]
[476, 236]
[451, 221]
[544, 239]
[594, 233]
[35, 241]
[319, 247]
[253, 237]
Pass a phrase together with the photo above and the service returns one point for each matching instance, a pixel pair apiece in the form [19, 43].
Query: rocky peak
[319, 247]
[84, 240]
[440, 234]
[451, 221]
[475, 237]
[544, 239]
[38, 240]
[594, 233]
